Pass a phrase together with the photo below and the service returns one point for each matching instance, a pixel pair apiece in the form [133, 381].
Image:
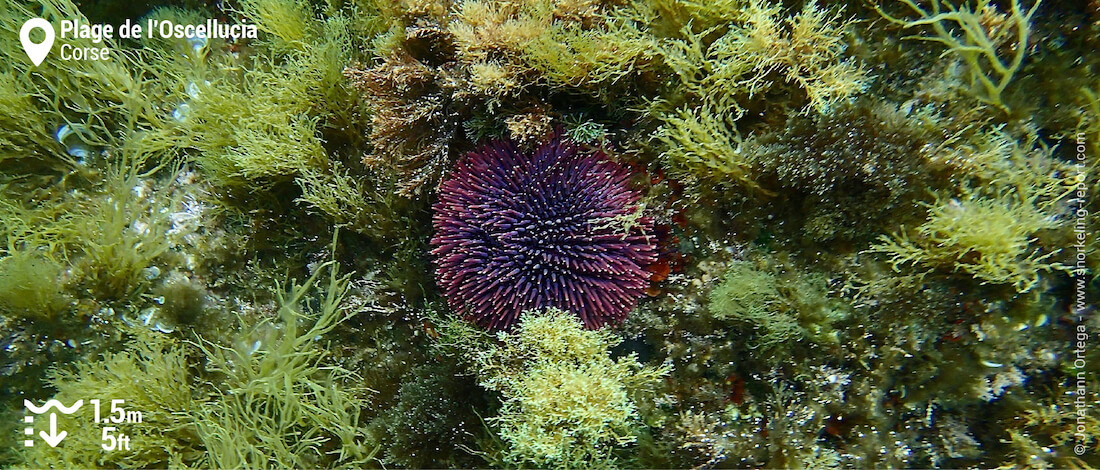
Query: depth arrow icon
[53, 438]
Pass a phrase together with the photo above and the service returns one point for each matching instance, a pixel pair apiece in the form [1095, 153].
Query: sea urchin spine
[559, 227]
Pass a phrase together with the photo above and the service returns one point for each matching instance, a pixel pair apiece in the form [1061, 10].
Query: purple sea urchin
[555, 228]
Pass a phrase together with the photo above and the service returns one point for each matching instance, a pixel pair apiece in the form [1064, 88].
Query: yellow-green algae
[565, 402]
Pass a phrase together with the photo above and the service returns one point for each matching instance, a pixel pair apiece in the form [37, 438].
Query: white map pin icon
[36, 52]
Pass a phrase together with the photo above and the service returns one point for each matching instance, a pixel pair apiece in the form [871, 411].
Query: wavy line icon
[51, 404]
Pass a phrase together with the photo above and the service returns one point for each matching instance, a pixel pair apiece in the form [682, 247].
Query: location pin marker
[36, 52]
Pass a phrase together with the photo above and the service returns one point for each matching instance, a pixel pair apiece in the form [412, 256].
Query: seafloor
[552, 234]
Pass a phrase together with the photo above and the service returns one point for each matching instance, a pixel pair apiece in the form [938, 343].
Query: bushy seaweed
[780, 306]
[152, 376]
[566, 403]
[978, 35]
[31, 286]
[986, 237]
[992, 231]
[278, 406]
[703, 149]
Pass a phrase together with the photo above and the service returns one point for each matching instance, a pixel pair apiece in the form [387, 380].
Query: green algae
[279, 406]
[150, 375]
[783, 307]
[565, 402]
[273, 401]
[976, 42]
[31, 286]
